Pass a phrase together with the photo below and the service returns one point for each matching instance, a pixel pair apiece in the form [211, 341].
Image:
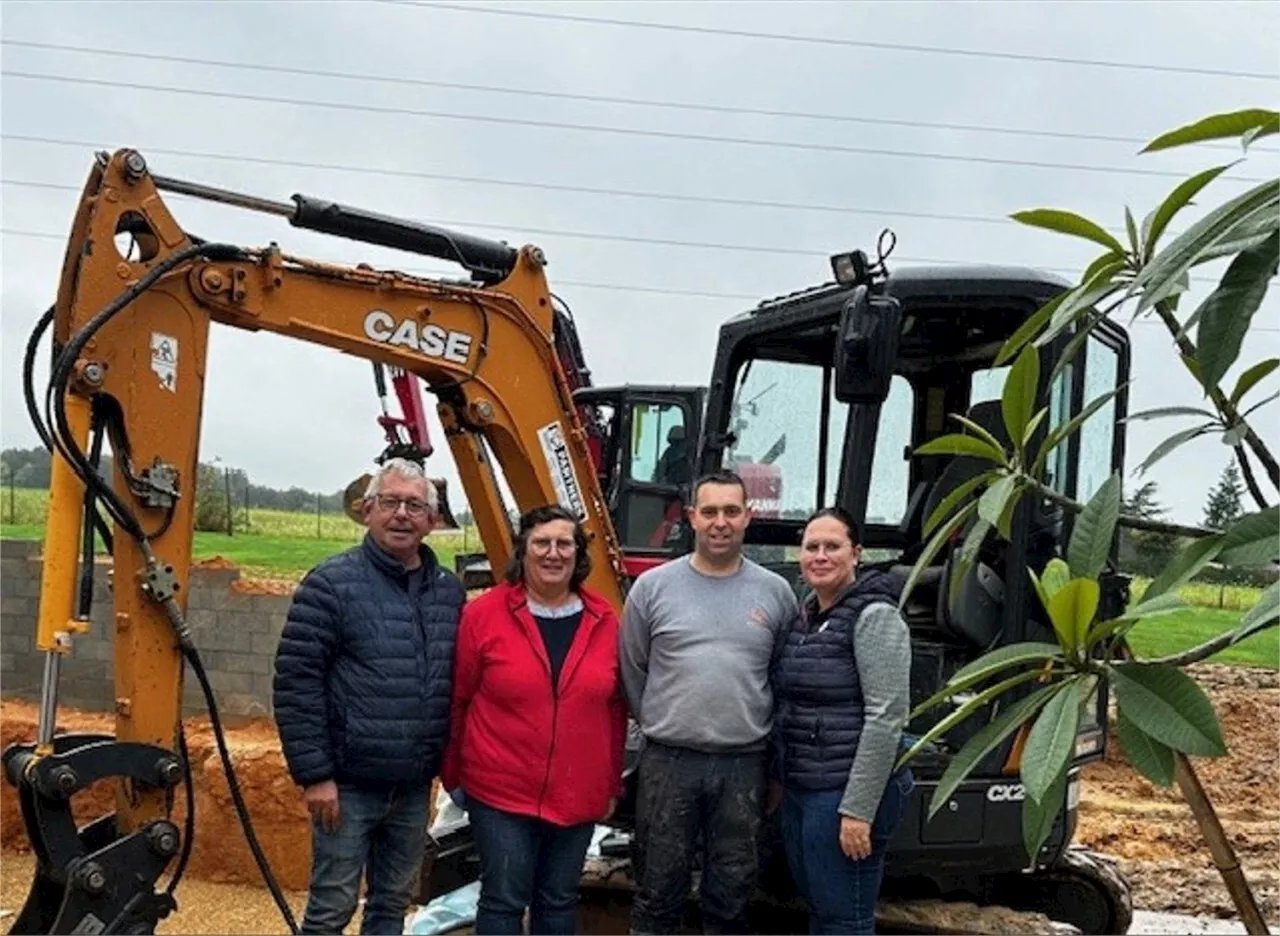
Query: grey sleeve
[882, 645]
[633, 645]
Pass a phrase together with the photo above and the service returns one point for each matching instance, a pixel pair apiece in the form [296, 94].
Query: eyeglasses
[412, 506]
[542, 546]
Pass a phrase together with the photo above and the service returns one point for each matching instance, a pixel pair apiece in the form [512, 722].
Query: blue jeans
[525, 862]
[841, 893]
[381, 834]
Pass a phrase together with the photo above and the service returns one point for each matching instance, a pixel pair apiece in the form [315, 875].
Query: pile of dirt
[1151, 830]
[220, 852]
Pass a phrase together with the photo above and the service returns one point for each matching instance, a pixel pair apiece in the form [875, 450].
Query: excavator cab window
[649, 465]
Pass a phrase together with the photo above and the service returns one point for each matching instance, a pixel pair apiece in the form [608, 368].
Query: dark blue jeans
[525, 862]
[841, 893]
[381, 835]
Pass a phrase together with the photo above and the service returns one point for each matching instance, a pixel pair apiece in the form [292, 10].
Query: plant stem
[1215, 836]
[1133, 523]
[1250, 481]
[1224, 856]
[1230, 415]
[1204, 651]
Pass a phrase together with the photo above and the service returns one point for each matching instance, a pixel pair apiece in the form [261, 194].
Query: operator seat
[975, 618]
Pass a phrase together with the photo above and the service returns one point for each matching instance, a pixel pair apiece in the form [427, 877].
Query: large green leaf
[985, 697]
[1167, 704]
[1169, 265]
[991, 506]
[1252, 540]
[1131, 228]
[1079, 304]
[1265, 613]
[931, 549]
[1029, 328]
[1176, 200]
[1072, 610]
[1161, 411]
[1018, 401]
[1252, 377]
[956, 444]
[1051, 741]
[1183, 565]
[985, 741]
[1175, 441]
[978, 430]
[1061, 433]
[1217, 127]
[949, 503]
[1241, 238]
[1056, 574]
[1094, 528]
[1167, 603]
[1067, 222]
[1226, 313]
[1038, 818]
[1147, 755]
[987, 666]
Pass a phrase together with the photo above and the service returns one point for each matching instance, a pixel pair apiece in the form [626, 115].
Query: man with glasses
[363, 679]
[696, 641]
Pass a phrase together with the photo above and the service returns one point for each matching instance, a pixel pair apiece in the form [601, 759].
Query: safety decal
[164, 360]
[560, 463]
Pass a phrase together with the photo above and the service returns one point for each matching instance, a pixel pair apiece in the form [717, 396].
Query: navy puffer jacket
[364, 671]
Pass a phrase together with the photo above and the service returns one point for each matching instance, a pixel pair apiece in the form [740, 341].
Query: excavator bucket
[353, 498]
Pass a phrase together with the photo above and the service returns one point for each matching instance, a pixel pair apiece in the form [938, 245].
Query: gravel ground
[203, 907]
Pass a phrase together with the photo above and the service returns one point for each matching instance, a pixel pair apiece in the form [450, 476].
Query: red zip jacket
[518, 743]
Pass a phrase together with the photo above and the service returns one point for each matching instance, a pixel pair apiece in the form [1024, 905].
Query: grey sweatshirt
[882, 648]
[695, 652]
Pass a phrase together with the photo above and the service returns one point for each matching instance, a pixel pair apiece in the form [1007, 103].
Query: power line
[694, 106]
[603, 128]
[523, 184]
[594, 236]
[752, 298]
[839, 41]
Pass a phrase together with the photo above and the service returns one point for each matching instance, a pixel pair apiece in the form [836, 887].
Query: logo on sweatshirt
[759, 616]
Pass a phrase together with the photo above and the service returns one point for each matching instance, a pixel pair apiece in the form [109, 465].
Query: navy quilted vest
[818, 695]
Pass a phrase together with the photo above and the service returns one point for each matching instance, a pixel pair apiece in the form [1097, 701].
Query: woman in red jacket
[538, 727]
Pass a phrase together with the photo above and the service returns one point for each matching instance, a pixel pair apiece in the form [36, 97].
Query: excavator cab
[860, 373]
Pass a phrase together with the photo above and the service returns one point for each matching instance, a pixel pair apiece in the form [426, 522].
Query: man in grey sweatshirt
[697, 638]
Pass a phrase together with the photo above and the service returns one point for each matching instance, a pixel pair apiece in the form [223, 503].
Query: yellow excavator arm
[130, 337]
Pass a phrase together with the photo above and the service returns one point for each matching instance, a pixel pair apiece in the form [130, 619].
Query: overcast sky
[294, 414]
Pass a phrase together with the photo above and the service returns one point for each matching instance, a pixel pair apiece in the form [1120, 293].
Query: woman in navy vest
[841, 683]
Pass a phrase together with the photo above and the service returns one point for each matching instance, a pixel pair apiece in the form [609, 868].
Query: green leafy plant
[1042, 688]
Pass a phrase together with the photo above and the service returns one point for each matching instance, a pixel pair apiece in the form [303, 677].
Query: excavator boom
[131, 361]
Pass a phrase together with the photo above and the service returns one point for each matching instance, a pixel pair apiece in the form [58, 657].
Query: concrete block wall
[235, 632]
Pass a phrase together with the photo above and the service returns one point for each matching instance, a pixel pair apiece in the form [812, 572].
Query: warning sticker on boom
[164, 360]
[560, 463]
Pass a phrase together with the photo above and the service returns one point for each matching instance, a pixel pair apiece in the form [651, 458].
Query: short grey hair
[405, 468]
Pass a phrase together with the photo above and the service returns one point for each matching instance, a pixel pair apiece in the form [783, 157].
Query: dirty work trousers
[525, 862]
[381, 835]
[684, 795]
[841, 893]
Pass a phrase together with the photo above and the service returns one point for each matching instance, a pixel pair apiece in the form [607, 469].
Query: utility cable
[694, 106]
[752, 298]
[514, 183]
[835, 41]
[797, 145]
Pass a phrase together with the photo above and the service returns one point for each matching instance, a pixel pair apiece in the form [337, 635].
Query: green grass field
[284, 545]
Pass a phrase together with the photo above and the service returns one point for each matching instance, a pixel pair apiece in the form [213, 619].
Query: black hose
[28, 376]
[242, 811]
[188, 824]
